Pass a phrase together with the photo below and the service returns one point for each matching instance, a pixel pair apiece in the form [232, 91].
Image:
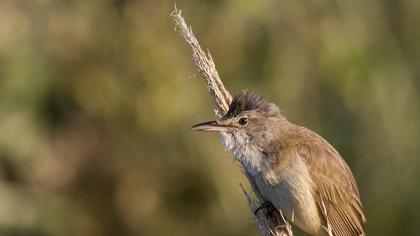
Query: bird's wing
[335, 189]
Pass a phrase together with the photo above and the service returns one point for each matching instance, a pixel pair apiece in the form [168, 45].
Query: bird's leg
[268, 206]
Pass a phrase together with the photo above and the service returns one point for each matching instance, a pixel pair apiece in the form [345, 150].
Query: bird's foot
[268, 206]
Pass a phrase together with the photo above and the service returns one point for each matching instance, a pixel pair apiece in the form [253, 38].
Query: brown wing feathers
[334, 187]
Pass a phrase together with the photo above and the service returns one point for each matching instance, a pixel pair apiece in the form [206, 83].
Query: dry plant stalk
[270, 223]
[205, 65]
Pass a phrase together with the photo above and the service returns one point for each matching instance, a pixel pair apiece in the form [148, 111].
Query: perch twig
[205, 65]
[269, 224]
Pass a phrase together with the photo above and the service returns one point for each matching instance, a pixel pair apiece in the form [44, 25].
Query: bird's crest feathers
[248, 100]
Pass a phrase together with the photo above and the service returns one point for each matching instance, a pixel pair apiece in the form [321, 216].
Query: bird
[294, 169]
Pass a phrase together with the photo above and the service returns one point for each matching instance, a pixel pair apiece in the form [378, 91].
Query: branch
[270, 223]
[205, 65]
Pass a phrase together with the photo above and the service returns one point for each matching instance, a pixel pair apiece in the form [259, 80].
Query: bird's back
[319, 176]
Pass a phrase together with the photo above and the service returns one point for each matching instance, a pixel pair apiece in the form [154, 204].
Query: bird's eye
[243, 121]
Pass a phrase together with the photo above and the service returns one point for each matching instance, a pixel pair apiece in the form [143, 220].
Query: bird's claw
[265, 205]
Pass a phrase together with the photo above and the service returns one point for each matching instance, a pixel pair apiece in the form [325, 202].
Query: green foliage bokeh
[97, 97]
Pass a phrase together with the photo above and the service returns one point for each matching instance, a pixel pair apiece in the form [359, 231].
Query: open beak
[211, 126]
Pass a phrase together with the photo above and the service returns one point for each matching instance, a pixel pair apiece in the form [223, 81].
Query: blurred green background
[97, 97]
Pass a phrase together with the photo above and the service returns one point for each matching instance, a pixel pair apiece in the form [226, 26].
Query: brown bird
[295, 169]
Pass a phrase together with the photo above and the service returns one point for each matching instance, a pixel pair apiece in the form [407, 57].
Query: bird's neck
[244, 151]
[255, 156]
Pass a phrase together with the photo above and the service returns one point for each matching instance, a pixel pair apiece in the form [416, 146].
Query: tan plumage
[334, 184]
[295, 169]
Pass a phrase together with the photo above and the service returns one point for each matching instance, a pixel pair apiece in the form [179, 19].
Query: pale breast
[292, 194]
[290, 190]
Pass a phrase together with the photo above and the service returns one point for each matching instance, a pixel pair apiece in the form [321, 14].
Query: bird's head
[250, 118]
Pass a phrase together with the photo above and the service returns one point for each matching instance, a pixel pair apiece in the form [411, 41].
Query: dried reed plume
[270, 223]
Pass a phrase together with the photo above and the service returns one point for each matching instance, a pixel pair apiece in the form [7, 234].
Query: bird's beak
[211, 126]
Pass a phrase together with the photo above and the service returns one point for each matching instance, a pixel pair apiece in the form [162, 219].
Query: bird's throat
[241, 148]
